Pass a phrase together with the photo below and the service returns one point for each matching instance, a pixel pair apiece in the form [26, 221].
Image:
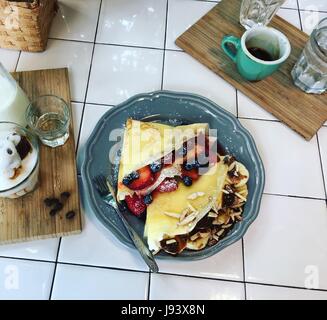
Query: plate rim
[215, 109]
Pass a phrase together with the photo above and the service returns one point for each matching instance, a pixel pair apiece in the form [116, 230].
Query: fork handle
[137, 240]
[142, 248]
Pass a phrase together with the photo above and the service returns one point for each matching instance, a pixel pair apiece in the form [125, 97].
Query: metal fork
[107, 194]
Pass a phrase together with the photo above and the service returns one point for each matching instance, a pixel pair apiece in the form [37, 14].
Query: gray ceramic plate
[174, 108]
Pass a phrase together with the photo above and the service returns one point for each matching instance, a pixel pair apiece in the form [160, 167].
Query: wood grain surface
[304, 113]
[27, 218]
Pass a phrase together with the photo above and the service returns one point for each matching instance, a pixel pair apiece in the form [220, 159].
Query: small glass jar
[49, 118]
[27, 178]
[258, 12]
[310, 71]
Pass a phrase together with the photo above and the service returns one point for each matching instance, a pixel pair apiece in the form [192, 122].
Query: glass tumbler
[49, 117]
[310, 71]
[258, 12]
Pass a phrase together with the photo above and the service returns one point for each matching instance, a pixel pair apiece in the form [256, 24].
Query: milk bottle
[13, 101]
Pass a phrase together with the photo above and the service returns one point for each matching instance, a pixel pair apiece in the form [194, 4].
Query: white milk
[13, 102]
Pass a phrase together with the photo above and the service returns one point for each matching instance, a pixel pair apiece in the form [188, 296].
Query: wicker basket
[25, 25]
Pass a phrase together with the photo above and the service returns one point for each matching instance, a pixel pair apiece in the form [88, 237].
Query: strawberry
[135, 204]
[193, 174]
[145, 179]
[168, 185]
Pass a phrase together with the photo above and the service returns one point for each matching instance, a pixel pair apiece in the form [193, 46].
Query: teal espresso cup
[258, 53]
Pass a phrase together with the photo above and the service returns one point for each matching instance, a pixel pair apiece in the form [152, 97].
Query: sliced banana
[244, 173]
[198, 244]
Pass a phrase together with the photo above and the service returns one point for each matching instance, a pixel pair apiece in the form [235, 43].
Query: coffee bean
[70, 215]
[49, 202]
[58, 206]
[53, 212]
[65, 195]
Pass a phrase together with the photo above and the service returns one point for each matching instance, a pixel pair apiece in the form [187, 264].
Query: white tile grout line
[79, 133]
[322, 167]
[164, 52]
[20, 52]
[149, 286]
[163, 273]
[299, 13]
[160, 273]
[243, 266]
[55, 269]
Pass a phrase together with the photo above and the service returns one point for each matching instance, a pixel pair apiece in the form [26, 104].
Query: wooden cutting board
[304, 113]
[27, 218]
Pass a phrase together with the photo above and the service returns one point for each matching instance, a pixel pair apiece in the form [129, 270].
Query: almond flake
[172, 214]
[171, 241]
[195, 195]
[226, 226]
[215, 237]
[231, 167]
[212, 214]
[195, 236]
[185, 212]
[191, 207]
[225, 191]
[240, 196]
[188, 219]
[204, 234]
[220, 232]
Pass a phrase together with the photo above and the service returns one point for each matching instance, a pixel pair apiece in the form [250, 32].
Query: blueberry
[147, 199]
[134, 175]
[187, 181]
[127, 180]
[155, 166]
[189, 166]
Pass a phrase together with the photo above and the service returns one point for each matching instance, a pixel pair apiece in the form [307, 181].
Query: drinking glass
[49, 117]
[258, 12]
[310, 71]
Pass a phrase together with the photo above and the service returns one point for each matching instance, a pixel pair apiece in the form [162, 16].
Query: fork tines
[100, 183]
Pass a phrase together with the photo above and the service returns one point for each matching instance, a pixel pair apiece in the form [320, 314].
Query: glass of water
[258, 12]
[49, 117]
[310, 71]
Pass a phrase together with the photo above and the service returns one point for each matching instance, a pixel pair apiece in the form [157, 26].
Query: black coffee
[261, 54]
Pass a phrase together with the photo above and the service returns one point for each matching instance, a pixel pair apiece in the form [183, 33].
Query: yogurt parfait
[19, 161]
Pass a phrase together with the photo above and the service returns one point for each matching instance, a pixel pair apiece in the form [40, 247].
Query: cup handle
[226, 44]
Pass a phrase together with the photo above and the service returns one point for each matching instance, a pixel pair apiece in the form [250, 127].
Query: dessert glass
[28, 183]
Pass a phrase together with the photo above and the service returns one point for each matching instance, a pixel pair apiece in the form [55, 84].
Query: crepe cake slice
[172, 219]
[177, 213]
[145, 143]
